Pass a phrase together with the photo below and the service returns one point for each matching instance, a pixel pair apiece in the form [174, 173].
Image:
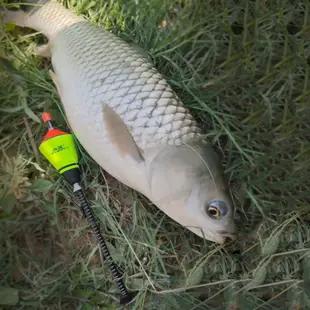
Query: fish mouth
[220, 236]
[226, 235]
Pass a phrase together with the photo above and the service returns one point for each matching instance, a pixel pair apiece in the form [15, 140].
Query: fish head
[188, 184]
[210, 206]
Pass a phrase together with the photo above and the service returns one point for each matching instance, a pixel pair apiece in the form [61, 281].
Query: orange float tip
[46, 117]
[53, 133]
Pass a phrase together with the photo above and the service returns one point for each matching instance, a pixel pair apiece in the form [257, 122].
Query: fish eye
[216, 209]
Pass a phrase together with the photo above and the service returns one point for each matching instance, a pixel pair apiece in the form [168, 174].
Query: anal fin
[44, 51]
[54, 79]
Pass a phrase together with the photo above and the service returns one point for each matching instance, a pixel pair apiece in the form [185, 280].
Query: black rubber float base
[127, 299]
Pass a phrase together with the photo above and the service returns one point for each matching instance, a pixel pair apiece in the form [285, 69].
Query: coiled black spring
[125, 296]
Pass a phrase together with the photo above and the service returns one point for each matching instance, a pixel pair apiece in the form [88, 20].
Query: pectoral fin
[119, 134]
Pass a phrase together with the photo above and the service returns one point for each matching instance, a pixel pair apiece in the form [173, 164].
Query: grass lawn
[242, 68]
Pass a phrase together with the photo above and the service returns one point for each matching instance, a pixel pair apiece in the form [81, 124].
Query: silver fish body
[103, 69]
[130, 121]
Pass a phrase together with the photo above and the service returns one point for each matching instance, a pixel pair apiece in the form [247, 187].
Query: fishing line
[59, 149]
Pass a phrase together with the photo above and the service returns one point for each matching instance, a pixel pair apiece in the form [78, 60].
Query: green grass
[242, 68]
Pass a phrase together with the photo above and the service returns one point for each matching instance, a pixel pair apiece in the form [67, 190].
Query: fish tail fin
[46, 16]
[22, 17]
[18, 18]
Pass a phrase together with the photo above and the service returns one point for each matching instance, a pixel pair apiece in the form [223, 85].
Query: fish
[128, 118]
